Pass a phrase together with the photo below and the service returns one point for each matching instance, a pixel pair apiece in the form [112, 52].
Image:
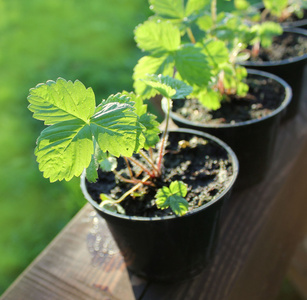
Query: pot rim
[283, 105]
[235, 164]
[299, 31]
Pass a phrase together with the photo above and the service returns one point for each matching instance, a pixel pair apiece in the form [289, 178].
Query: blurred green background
[40, 40]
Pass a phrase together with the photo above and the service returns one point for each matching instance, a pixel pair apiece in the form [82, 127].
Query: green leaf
[91, 171]
[152, 130]
[168, 87]
[192, 66]
[64, 149]
[216, 52]
[110, 205]
[173, 9]
[148, 120]
[275, 6]
[241, 4]
[210, 99]
[117, 129]
[267, 30]
[205, 22]
[173, 197]
[150, 65]
[54, 102]
[193, 6]
[108, 164]
[157, 36]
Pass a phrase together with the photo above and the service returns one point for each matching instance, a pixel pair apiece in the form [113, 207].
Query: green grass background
[40, 40]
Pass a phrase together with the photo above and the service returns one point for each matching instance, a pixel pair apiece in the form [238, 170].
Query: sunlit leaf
[54, 102]
[157, 36]
[192, 66]
[168, 8]
[168, 87]
[150, 65]
[64, 149]
[117, 130]
[193, 6]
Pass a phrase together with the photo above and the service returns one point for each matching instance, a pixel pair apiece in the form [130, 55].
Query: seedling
[207, 60]
[82, 136]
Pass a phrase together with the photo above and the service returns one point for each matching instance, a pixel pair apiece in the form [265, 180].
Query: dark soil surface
[201, 164]
[264, 96]
[287, 45]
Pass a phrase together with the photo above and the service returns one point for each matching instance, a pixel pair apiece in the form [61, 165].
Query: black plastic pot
[171, 248]
[291, 70]
[252, 141]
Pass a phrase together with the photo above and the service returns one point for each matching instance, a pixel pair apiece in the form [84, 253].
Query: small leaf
[205, 22]
[108, 164]
[192, 66]
[54, 102]
[173, 9]
[173, 197]
[152, 130]
[275, 6]
[168, 87]
[150, 65]
[241, 4]
[91, 170]
[210, 99]
[157, 36]
[194, 6]
[267, 30]
[109, 204]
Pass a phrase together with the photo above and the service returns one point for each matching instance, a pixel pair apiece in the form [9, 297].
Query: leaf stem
[129, 168]
[164, 136]
[141, 166]
[213, 12]
[191, 35]
[134, 180]
[132, 189]
[149, 161]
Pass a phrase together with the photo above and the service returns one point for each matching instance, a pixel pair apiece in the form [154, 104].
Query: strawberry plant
[82, 136]
[190, 41]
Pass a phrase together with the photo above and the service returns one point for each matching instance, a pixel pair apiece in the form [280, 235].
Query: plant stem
[132, 189]
[148, 159]
[213, 12]
[129, 168]
[134, 180]
[141, 166]
[164, 136]
[191, 35]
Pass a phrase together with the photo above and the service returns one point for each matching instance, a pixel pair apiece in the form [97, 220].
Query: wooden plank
[83, 262]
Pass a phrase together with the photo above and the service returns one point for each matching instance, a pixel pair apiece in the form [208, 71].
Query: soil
[206, 177]
[264, 96]
[287, 45]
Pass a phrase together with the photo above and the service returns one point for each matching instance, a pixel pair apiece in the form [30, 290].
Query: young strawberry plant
[194, 43]
[82, 136]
